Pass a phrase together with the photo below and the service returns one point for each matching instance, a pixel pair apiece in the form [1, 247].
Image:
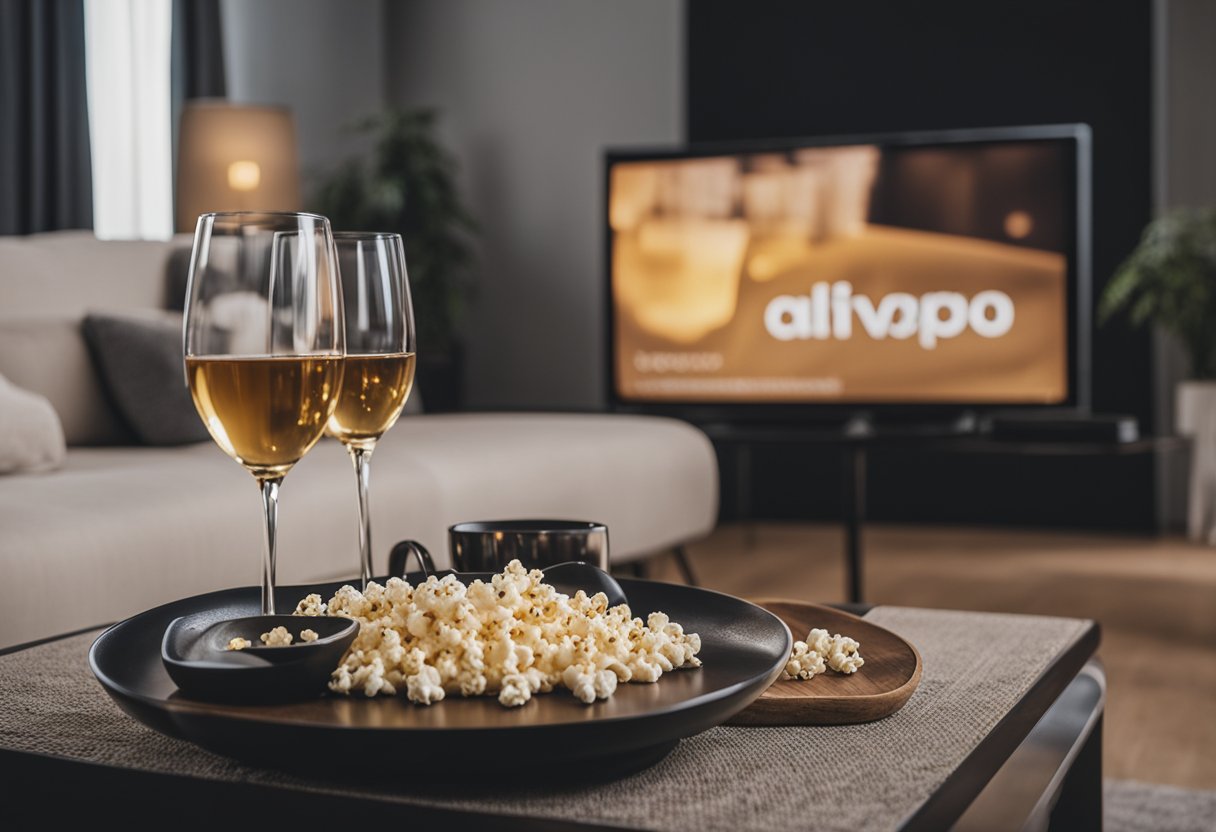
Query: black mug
[488, 546]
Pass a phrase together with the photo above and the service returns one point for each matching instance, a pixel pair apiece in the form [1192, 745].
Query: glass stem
[362, 458]
[270, 505]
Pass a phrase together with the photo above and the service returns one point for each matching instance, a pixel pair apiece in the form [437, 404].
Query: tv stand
[865, 424]
[859, 435]
[859, 425]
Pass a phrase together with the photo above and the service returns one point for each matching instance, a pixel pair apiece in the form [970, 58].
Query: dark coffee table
[1005, 732]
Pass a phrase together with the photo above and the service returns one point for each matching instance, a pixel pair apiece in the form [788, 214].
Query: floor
[1155, 599]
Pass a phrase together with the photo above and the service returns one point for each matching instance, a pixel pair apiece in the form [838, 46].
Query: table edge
[38, 642]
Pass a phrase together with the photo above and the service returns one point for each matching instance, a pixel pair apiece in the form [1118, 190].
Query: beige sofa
[119, 528]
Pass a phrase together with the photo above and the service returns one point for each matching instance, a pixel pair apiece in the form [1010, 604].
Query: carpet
[1130, 806]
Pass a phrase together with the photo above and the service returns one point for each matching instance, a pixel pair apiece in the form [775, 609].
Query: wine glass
[263, 345]
[380, 354]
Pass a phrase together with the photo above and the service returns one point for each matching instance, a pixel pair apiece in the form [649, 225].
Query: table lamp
[235, 157]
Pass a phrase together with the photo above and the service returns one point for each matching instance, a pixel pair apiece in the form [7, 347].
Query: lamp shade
[235, 157]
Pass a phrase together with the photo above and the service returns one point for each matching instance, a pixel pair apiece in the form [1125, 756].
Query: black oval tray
[552, 738]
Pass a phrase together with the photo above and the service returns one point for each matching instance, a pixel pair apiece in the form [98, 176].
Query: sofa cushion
[31, 438]
[119, 530]
[47, 355]
[140, 360]
[67, 272]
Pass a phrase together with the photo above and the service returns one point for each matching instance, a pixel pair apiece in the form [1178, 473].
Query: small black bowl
[194, 652]
[574, 575]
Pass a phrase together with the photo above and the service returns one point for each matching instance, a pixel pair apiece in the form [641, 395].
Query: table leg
[743, 492]
[684, 565]
[1053, 781]
[1080, 804]
[743, 477]
[854, 516]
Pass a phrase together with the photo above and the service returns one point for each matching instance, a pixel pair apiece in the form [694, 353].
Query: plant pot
[1195, 417]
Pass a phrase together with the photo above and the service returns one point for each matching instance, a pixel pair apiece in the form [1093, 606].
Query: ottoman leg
[636, 569]
[685, 565]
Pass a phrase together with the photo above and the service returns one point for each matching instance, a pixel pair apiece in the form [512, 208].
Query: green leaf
[1170, 280]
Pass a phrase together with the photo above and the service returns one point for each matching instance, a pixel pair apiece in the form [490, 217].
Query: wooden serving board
[880, 688]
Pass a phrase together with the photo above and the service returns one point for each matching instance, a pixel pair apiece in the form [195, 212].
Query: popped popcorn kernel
[804, 662]
[423, 687]
[310, 605]
[844, 656]
[820, 641]
[238, 643]
[278, 637]
[515, 691]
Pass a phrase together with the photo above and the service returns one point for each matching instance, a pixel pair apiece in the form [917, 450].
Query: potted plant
[1170, 280]
[407, 184]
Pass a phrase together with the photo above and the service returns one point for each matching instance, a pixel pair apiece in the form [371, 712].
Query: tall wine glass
[380, 353]
[263, 345]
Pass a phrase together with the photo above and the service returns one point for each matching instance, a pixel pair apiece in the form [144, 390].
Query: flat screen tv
[904, 272]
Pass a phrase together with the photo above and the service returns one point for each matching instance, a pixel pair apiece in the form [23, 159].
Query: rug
[1131, 806]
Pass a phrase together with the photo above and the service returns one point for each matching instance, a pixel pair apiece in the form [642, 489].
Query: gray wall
[322, 59]
[531, 92]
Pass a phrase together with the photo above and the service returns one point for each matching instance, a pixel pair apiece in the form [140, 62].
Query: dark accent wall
[765, 69]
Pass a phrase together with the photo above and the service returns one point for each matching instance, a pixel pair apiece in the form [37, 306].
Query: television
[899, 273]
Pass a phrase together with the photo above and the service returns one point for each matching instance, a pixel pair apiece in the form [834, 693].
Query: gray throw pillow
[177, 277]
[140, 360]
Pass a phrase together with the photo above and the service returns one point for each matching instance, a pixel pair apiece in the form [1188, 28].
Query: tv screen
[894, 270]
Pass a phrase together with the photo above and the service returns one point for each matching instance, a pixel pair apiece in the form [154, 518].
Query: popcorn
[642, 670]
[423, 687]
[588, 685]
[820, 651]
[512, 636]
[804, 662]
[516, 690]
[239, 643]
[311, 605]
[844, 657]
[278, 637]
[819, 641]
[309, 635]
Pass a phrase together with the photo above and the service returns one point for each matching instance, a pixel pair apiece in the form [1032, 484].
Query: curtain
[198, 60]
[45, 170]
[198, 51]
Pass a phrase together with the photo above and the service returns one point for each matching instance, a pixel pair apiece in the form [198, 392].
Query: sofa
[118, 527]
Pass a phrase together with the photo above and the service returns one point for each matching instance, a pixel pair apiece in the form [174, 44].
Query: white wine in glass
[374, 391]
[264, 412]
[264, 343]
[380, 357]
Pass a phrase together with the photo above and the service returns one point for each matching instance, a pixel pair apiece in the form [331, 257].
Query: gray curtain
[198, 51]
[198, 57]
[46, 178]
